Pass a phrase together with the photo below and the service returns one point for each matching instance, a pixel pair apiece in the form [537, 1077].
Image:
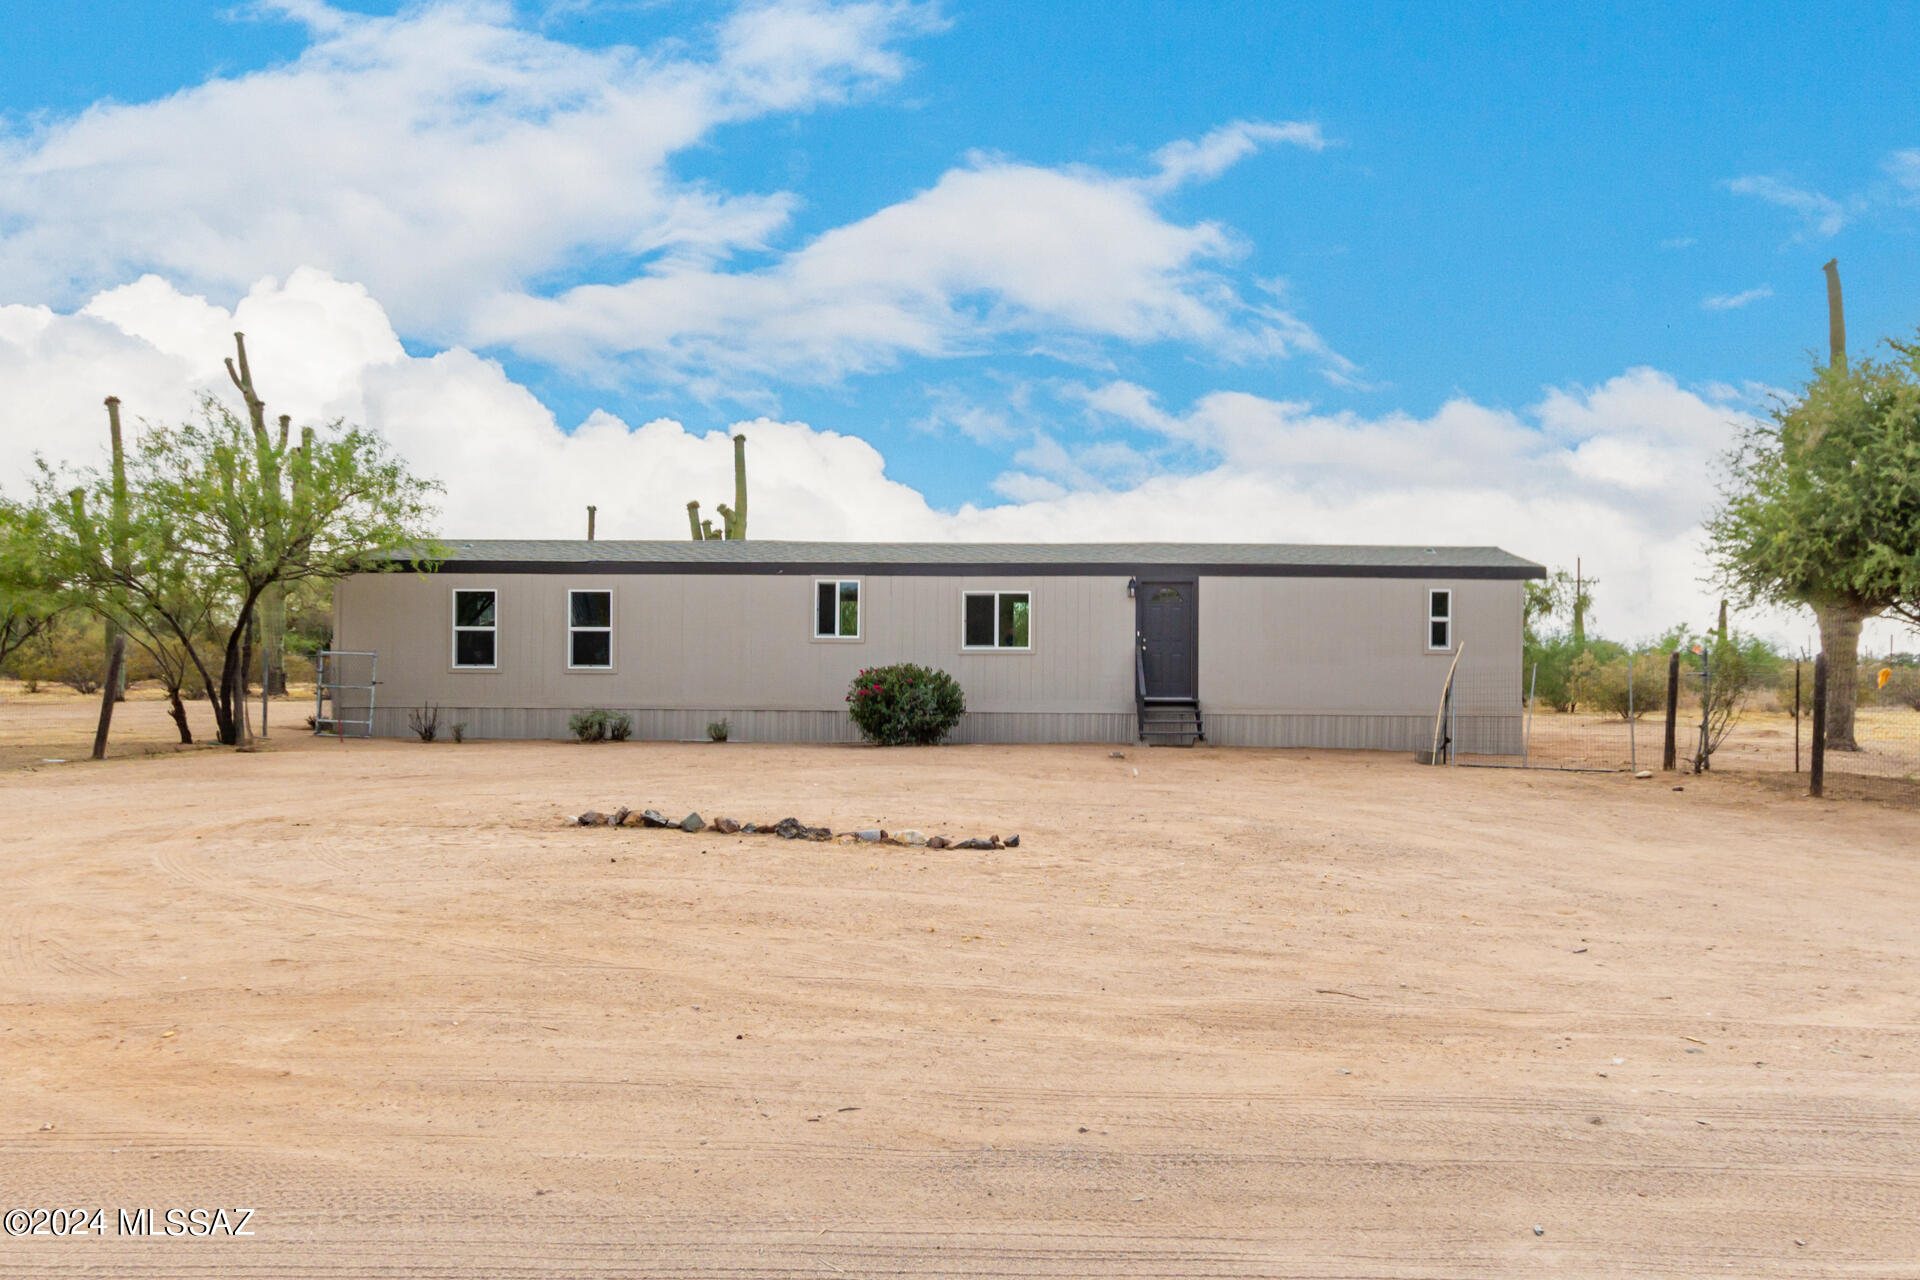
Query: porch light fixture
[1133, 585]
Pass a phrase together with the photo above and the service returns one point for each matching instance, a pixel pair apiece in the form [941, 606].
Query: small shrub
[1726, 673]
[425, 722]
[905, 703]
[459, 730]
[718, 730]
[600, 726]
[1600, 686]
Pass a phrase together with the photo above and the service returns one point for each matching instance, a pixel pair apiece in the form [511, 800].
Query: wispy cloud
[1820, 214]
[1205, 158]
[1734, 301]
[1679, 242]
[1904, 168]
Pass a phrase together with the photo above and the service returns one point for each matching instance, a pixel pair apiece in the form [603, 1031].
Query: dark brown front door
[1168, 617]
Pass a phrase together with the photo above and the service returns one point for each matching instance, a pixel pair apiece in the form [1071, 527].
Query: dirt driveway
[1223, 1013]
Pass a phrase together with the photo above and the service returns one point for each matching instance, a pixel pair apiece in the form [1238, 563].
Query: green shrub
[718, 730]
[600, 726]
[1599, 685]
[72, 651]
[904, 703]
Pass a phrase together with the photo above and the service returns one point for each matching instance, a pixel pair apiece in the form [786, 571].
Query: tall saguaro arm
[1836, 316]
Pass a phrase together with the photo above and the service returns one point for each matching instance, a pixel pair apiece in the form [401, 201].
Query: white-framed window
[589, 630]
[996, 620]
[836, 608]
[476, 628]
[1439, 620]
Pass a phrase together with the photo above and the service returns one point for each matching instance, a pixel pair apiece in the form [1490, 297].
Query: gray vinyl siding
[1283, 661]
[691, 648]
[1343, 662]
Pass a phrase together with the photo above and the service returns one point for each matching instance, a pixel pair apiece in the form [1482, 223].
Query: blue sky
[1503, 204]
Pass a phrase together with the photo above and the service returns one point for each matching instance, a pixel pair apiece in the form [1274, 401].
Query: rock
[1679, 788]
[790, 829]
[632, 818]
[619, 818]
[1113, 755]
[818, 833]
[693, 822]
[872, 835]
[1644, 774]
[1013, 842]
[726, 826]
[593, 818]
[653, 818]
[996, 841]
[1539, 1230]
[974, 843]
[937, 842]
[907, 837]
[846, 837]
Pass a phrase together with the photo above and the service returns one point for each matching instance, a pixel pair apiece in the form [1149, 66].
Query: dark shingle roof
[754, 556]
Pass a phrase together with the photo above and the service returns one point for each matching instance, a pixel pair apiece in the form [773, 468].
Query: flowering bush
[904, 704]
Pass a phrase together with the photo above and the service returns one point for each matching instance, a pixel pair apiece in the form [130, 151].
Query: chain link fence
[1674, 711]
[1602, 718]
[1874, 754]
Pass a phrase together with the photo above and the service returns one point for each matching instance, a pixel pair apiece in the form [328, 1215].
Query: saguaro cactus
[1836, 317]
[733, 520]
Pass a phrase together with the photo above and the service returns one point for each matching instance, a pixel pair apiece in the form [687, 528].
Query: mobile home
[1236, 644]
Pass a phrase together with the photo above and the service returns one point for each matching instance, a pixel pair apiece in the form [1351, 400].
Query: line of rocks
[788, 829]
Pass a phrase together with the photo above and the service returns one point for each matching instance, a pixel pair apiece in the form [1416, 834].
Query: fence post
[1817, 773]
[1633, 749]
[1673, 710]
[1796, 715]
[1526, 743]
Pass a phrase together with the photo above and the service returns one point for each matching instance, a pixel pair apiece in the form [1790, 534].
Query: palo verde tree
[220, 515]
[1822, 509]
[29, 596]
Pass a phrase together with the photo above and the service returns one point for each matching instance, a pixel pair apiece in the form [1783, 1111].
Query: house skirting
[1478, 734]
[682, 725]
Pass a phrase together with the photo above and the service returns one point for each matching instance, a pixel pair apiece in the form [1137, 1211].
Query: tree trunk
[178, 711]
[1840, 641]
[116, 662]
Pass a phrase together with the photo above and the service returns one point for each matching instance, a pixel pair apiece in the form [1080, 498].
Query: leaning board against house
[1246, 644]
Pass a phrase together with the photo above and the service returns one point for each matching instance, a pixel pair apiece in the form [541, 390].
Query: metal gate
[343, 689]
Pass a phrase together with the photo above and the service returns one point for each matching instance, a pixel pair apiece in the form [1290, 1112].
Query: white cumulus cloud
[497, 187]
[1618, 473]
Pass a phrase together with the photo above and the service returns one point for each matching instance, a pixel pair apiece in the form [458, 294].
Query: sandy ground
[1223, 1013]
